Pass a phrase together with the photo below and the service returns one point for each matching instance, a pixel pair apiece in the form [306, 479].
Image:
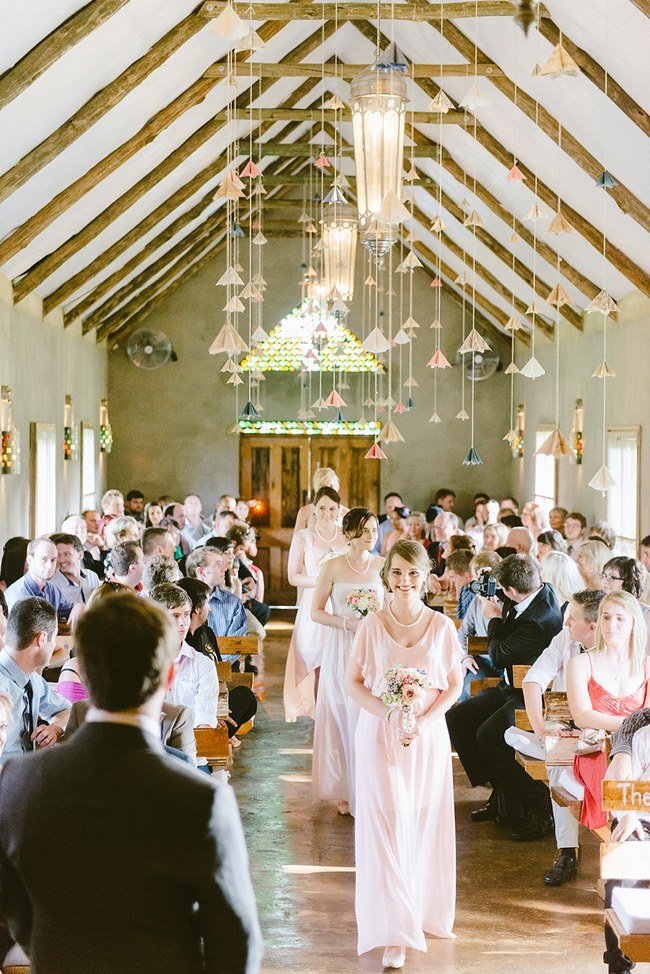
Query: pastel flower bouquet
[363, 601]
[402, 687]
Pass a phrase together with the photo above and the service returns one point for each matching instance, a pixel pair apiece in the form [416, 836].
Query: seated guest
[159, 570]
[416, 528]
[494, 536]
[556, 518]
[75, 582]
[577, 636]
[475, 624]
[76, 524]
[157, 541]
[182, 891]
[550, 541]
[460, 574]
[561, 572]
[645, 552]
[398, 529]
[535, 518]
[510, 504]
[242, 509]
[226, 616]
[518, 630]
[37, 581]
[251, 577]
[591, 559]
[602, 531]
[14, 561]
[522, 540]
[195, 683]
[29, 644]
[196, 526]
[622, 574]
[222, 521]
[445, 500]
[176, 727]
[445, 525]
[134, 505]
[475, 525]
[174, 515]
[153, 514]
[226, 503]
[605, 686]
[124, 528]
[127, 563]
[510, 520]
[575, 527]
[112, 505]
[392, 500]
[242, 702]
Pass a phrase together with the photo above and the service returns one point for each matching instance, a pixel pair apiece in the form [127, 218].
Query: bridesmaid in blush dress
[404, 829]
[309, 549]
[352, 575]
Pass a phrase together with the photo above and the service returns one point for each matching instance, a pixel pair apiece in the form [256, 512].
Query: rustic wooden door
[276, 472]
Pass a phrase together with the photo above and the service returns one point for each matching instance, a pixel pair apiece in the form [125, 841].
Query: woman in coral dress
[404, 830]
[350, 580]
[309, 549]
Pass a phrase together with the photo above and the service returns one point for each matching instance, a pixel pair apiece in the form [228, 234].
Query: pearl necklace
[405, 625]
[326, 540]
[359, 571]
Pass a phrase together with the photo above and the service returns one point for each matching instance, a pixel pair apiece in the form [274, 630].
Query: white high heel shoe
[343, 807]
[394, 957]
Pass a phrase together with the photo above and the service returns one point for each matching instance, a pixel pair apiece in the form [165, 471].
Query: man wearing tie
[29, 644]
[517, 634]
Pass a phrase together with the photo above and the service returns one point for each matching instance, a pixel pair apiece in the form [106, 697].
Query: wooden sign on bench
[238, 645]
[556, 707]
[477, 645]
[560, 751]
[627, 796]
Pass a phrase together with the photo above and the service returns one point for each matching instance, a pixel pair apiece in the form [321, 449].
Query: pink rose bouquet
[363, 600]
[401, 687]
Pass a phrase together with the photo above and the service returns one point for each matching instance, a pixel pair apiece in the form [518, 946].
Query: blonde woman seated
[534, 518]
[604, 686]
[494, 536]
[323, 477]
[416, 528]
[561, 571]
[591, 559]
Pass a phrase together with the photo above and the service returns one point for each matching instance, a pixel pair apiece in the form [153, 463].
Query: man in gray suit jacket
[155, 878]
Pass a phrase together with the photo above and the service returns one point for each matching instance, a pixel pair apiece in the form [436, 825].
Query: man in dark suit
[517, 633]
[155, 877]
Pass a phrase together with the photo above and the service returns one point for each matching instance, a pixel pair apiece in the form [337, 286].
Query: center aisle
[302, 858]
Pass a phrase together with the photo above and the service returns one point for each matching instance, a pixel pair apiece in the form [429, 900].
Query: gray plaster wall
[42, 363]
[171, 425]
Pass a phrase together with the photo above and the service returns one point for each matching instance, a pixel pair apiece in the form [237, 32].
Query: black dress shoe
[531, 828]
[487, 813]
[563, 869]
[249, 667]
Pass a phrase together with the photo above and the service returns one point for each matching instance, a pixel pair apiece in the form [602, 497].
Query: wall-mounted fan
[149, 349]
[484, 364]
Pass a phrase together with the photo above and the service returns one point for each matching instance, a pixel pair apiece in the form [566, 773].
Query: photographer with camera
[523, 617]
[475, 623]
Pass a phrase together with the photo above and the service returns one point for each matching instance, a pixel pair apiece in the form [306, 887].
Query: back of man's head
[27, 618]
[519, 572]
[589, 601]
[159, 570]
[459, 562]
[123, 556]
[521, 540]
[125, 647]
[152, 539]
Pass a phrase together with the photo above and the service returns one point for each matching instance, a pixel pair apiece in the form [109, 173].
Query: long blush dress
[306, 647]
[336, 712]
[404, 828]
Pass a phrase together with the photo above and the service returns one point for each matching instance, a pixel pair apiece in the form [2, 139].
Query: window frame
[629, 546]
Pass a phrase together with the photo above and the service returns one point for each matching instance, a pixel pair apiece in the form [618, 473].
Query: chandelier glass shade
[339, 239]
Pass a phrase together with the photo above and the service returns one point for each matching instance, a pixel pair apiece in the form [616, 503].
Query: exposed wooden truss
[363, 11]
[303, 69]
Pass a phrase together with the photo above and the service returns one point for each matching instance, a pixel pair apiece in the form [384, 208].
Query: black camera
[485, 584]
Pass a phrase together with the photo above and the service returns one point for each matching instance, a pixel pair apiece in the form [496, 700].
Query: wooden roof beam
[362, 11]
[98, 106]
[30, 67]
[43, 268]
[303, 69]
[23, 235]
[625, 199]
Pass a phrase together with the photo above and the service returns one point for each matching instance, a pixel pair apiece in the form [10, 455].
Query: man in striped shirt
[226, 615]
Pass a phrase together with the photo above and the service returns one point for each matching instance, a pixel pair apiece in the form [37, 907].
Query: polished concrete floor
[302, 863]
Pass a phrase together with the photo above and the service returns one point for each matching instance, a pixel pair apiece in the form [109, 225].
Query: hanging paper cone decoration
[303, 218]
[410, 324]
[603, 480]
[392, 58]
[410, 404]
[537, 70]
[392, 211]
[604, 371]
[515, 174]
[376, 342]
[512, 369]
[319, 404]
[536, 212]
[441, 103]
[229, 366]
[334, 196]
[438, 225]
[435, 418]
[400, 408]
[334, 399]
[473, 220]
[474, 343]
[411, 383]
[259, 239]
[248, 291]
[401, 338]
[259, 335]
[250, 170]
[603, 303]
[438, 361]
[375, 453]
[229, 276]
[390, 433]
[258, 377]
[436, 282]
[512, 324]
[412, 260]
[235, 304]
[606, 180]
[339, 418]
[472, 459]
[249, 412]
[229, 25]
[465, 204]
[559, 63]
[234, 430]
[514, 238]
[412, 174]
[390, 402]
[236, 230]
[370, 281]
[532, 369]
[437, 324]
[533, 308]
[474, 99]
[510, 436]
[555, 445]
[461, 278]
[340, 307]
[462, 415]
[559, 225]
[335, 103]
[322, 162]
[251, 42]
[230, 187]
[228, 340]
[558, 297]
[235, 380]
[302, 414]
[320, 331]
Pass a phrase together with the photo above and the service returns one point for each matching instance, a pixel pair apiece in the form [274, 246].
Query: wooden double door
[277, 470]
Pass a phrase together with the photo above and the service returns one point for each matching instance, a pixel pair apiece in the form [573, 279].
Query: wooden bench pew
[238, 645]
[626, 860]
[212, 744]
